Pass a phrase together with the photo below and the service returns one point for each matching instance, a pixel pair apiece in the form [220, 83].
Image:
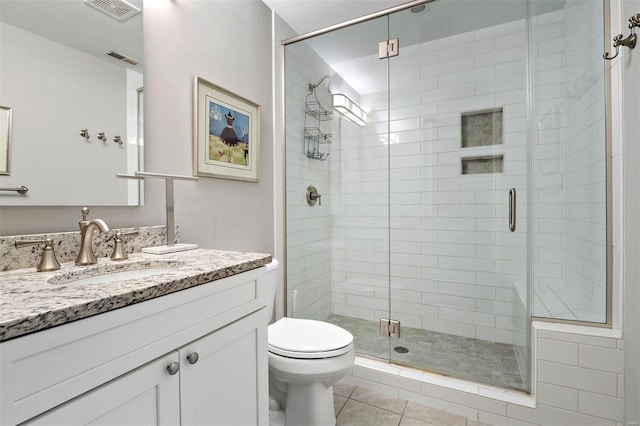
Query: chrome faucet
[86, 255]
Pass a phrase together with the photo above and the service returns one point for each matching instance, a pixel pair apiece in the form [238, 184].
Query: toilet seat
[308, 339]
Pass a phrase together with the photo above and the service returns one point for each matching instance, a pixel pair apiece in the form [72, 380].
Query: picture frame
[226, 134]
[5, 140]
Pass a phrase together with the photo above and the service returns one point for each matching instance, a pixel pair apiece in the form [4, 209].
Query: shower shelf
[315, 135]
[317, 111]
[316, 118]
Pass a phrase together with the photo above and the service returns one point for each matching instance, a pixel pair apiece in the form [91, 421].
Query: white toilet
[306, 358]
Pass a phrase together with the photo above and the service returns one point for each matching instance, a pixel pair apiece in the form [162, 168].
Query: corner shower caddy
[314, 134]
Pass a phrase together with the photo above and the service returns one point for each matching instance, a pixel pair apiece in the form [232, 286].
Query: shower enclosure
[422, 228]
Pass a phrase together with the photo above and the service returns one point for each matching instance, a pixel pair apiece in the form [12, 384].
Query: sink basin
[111, 274]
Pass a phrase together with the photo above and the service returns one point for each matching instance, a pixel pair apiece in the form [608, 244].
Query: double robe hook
[629, 41]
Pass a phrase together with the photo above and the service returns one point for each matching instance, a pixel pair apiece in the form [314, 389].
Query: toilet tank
[272, 282]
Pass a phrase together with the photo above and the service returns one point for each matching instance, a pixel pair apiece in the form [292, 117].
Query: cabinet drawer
[44, 369]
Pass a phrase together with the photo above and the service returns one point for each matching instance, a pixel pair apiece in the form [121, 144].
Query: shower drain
[401, 349]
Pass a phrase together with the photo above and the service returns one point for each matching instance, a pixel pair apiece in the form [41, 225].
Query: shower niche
[482, 132]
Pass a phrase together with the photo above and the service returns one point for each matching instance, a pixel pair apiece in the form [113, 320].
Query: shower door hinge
[389, 327]
[388, 48]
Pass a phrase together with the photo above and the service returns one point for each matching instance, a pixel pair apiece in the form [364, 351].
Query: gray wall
[229, 44]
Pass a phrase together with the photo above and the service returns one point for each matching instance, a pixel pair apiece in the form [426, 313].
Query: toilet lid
[302, 338]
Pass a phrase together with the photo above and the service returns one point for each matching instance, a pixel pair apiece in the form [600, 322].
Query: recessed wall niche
[489, 164]
[481, 128]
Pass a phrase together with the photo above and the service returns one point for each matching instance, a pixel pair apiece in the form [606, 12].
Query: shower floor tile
[473, 359]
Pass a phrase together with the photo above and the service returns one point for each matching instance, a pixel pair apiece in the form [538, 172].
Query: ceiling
[305, 16]
[75, 24]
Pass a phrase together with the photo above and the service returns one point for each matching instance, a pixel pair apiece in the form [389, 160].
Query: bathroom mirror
[71, 73]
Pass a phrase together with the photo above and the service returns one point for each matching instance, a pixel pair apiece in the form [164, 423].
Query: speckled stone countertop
[32, 301]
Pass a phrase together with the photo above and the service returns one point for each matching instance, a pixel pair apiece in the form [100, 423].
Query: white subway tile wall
[453, 261]
[447, 229]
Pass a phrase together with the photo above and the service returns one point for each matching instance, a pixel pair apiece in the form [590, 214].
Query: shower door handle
[512, 209]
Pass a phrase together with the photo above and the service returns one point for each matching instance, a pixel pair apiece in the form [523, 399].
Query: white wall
[228, 44]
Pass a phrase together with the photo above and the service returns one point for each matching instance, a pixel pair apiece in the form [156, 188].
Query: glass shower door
[458, 179]
[423, 210]
[337, 248]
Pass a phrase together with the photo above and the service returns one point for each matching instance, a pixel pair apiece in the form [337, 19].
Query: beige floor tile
[379, 400]
[338, 403]
[408, 421]
[343, 389]
[357, 413]
[476, 423]
[433, 415]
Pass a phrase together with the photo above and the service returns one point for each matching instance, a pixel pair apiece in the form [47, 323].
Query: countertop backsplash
[67, 244]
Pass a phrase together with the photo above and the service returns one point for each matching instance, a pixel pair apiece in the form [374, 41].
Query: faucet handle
[85, 213]
[119, 251]
[48, 261]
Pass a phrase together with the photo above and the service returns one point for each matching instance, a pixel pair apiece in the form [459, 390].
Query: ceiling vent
[117, 9]
[121, 57]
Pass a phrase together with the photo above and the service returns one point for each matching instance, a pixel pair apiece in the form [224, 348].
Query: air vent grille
[121, 57]
[117, 9]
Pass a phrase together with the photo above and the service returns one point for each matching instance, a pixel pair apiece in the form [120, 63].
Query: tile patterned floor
[473, 359]
[357, 406]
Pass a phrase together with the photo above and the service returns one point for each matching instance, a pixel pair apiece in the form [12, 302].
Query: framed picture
[5, 139]
[226, 141]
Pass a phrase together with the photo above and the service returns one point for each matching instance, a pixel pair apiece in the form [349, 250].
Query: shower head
[313, 86]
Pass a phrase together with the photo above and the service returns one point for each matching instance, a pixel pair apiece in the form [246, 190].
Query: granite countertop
[32, 301]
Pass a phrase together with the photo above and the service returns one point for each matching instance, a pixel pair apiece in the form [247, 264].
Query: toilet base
[276, 418]
[309, 405]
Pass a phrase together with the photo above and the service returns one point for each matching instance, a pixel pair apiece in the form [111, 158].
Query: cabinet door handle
[193, 357]
[173, 368]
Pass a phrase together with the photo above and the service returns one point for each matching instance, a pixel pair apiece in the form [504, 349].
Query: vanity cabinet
[146, 396]
[113, 368]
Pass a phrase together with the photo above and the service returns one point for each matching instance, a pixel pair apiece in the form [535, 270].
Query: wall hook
[85, 133]
[102, 137]
[629, 41]
[118, 140]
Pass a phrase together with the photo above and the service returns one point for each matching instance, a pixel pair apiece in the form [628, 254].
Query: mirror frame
[5, 140]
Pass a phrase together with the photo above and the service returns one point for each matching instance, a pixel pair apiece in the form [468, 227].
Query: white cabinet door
[228, 384]
[148, 395]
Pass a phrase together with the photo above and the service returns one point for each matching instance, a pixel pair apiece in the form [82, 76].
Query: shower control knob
[173, 368]
[193, 357]
[313, 196]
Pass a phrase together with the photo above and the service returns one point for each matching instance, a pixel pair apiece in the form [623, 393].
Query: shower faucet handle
[313, 197]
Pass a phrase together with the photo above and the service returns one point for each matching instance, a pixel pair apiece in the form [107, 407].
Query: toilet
[306, 358]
